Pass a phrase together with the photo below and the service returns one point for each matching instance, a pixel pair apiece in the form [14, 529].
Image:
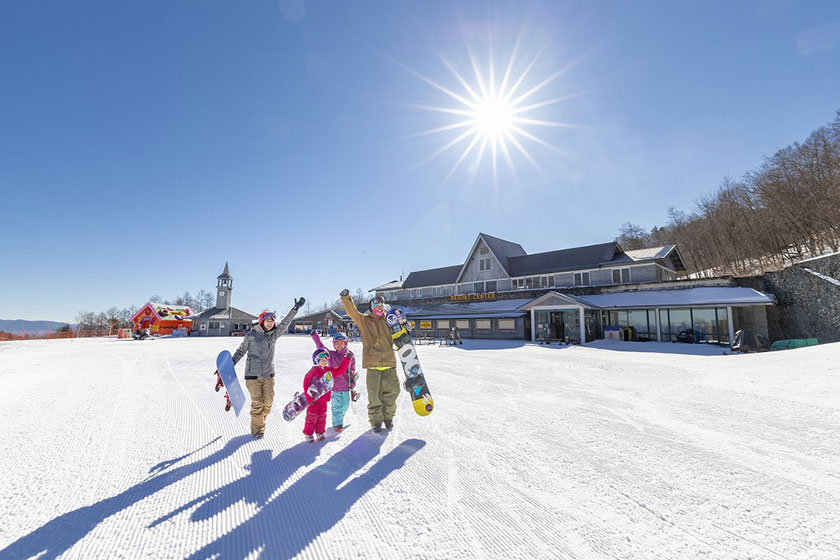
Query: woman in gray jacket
[259, 367]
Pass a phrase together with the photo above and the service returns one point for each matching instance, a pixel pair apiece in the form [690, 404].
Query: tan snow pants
[262, 395]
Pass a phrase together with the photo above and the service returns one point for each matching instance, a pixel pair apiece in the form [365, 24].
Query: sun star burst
[490, 119]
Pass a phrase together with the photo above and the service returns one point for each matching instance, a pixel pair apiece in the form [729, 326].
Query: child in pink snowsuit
[316, 412]
[344, 384]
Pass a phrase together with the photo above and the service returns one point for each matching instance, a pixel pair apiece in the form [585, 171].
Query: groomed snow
[121, 449]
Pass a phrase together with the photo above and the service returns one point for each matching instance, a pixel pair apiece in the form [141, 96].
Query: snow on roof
[678, 298]
[650, 253]
[392, 285]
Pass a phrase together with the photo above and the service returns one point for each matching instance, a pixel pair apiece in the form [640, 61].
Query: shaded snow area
[122, 449]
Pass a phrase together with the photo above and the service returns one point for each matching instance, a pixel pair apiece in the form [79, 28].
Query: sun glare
[494, 118]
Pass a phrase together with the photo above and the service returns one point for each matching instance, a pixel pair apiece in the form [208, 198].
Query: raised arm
[350, 307]
[283, 326]
[317, 339]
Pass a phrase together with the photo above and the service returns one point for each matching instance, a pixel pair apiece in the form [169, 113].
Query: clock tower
[224, 285]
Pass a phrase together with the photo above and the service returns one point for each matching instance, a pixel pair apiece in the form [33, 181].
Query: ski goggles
[266, 315]
[340, 337]
[322, 356]
[378, 300]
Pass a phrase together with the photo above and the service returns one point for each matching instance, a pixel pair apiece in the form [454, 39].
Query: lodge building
[577, 295]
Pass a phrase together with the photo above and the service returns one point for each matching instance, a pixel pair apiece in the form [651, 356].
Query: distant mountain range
[31, 327]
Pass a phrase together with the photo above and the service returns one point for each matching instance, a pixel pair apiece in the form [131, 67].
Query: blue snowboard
[224, 365]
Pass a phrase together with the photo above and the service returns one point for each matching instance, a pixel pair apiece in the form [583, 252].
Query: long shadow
[266, 476]
[163, 465]
[661, 348]
[60, 534]
[309, 507]
[487, 344]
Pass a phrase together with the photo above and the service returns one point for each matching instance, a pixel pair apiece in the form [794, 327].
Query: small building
[223, 319]
[162, 319]
[325, 318]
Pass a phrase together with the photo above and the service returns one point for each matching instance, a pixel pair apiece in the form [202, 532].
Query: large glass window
[442, 324]
[705, 325]
[581, 278]
[482, 324]
[507, 324]
[463, 324]
[722, 325]
[490, 286]
[478, 287]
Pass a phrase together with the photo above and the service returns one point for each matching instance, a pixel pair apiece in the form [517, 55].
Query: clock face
[221, 292]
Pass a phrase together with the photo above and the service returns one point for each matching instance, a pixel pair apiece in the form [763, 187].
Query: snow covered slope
[121, 449]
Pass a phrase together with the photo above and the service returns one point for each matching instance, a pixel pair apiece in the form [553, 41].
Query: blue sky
[143, 145]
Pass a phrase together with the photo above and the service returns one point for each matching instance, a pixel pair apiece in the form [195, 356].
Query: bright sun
[491, 116]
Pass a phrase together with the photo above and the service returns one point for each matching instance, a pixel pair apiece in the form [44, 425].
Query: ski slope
[122, 449]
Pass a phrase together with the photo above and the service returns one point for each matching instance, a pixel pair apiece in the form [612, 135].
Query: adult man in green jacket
[378, 359]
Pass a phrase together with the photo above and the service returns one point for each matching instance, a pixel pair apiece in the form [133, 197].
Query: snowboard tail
[298, 404]
[226, 377]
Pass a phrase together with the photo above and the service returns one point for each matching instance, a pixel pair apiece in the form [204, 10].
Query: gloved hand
[299, 302]
[344, 292]
[354, 396]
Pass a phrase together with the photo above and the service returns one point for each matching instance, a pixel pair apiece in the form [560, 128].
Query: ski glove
[299, 302]
[344, 292]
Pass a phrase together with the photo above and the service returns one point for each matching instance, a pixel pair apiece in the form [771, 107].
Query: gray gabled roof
[504, 250]
[432, 277]
[577, 258]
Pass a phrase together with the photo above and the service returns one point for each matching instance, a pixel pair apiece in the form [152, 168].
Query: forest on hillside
[786, 209]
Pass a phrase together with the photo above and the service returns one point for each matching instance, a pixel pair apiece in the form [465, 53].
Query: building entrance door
[557, 327]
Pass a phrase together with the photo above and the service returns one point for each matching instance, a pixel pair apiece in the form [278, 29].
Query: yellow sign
[425, 324]
[474, 297]
[411, 324]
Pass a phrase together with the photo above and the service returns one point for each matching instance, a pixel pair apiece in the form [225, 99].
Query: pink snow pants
[316, 417]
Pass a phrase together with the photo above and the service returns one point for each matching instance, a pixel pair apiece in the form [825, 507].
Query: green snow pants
[383, 388]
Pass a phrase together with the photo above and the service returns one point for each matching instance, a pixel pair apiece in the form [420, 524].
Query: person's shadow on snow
[313, 504]
[62, 533]
[266, 476]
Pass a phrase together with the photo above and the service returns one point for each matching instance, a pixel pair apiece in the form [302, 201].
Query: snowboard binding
[219, 382]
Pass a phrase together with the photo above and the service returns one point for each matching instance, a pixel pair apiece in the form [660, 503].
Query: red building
[162, 319]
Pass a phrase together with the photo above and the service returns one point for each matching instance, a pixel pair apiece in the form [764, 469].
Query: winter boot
[321, 437]
[339, 428]
[258, 436]
[377, 428]
[308, 438]
[389, 424]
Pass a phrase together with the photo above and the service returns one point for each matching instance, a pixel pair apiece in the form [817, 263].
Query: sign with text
[474, 297]
[425, 324]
